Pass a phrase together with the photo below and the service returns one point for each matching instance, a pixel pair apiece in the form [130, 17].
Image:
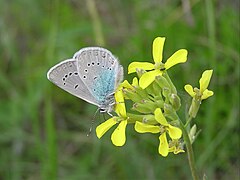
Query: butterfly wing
[66, 76]
[99, 71]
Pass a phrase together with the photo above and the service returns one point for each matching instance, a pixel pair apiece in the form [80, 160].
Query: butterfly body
[93, 75]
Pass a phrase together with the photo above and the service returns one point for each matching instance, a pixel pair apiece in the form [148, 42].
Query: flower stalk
[191, 160]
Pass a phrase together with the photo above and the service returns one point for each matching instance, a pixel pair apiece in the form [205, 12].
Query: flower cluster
[155, 101]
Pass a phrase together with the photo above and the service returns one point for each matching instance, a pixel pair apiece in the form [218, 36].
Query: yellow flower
[163, 128]
[203, 92]
[158, 68]
[118, 136]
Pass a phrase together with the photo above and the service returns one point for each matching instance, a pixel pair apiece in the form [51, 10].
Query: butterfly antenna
[92, 122]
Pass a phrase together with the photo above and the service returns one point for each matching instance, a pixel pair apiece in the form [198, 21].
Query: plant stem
[188, 121]
[191, 160]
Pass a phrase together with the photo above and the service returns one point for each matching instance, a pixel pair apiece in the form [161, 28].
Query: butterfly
[93, 74]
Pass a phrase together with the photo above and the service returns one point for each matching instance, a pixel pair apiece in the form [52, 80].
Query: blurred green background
[43, 129]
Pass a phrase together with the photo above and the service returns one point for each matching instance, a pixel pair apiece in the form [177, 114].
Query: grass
[43, 129]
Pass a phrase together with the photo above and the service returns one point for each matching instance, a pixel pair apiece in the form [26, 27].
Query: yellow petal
[189, 90]
[160, 117]
[135, 82]
[178, 151]
[174, 132]
[126, 84]
[148, 77]
[140, 65]
[175, 150]
[104, 127]
[178, 57]
[205, 79]
[206, 94]
[163, 146]
[145, 128]
[157, 49]
[119, 136]
[120, 108]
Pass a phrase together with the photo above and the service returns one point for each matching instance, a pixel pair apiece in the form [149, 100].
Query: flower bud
[145, 106]
[141, 92]
[149, 119]
[162, 82]
[159, 103]
[166, 91]
[170, 112]
[175, 101]
[140, 72]
[150, 90]
[131, 95]
[141, 108]
[157, 89]
[172, 87]
[192, 133]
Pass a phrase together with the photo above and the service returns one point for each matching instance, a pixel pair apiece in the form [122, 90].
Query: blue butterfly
[93, 74]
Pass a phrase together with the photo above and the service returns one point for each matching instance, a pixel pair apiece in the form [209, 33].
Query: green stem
[191, 160]
[188, 121]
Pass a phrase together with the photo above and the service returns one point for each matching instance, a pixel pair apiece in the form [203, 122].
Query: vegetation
[44, 129]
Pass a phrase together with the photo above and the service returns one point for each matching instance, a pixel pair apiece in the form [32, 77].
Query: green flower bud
[166, 91]
[141, 92]
[134, 117]
[140, 72]
[192, 133]
[172, 87]
[145, 106]
[159, 103]
[150, 90]
[149, 119]
[162, 82]
[170, 112]
[157, 89]
[132, 95]
[175, 101]
[141, 108]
